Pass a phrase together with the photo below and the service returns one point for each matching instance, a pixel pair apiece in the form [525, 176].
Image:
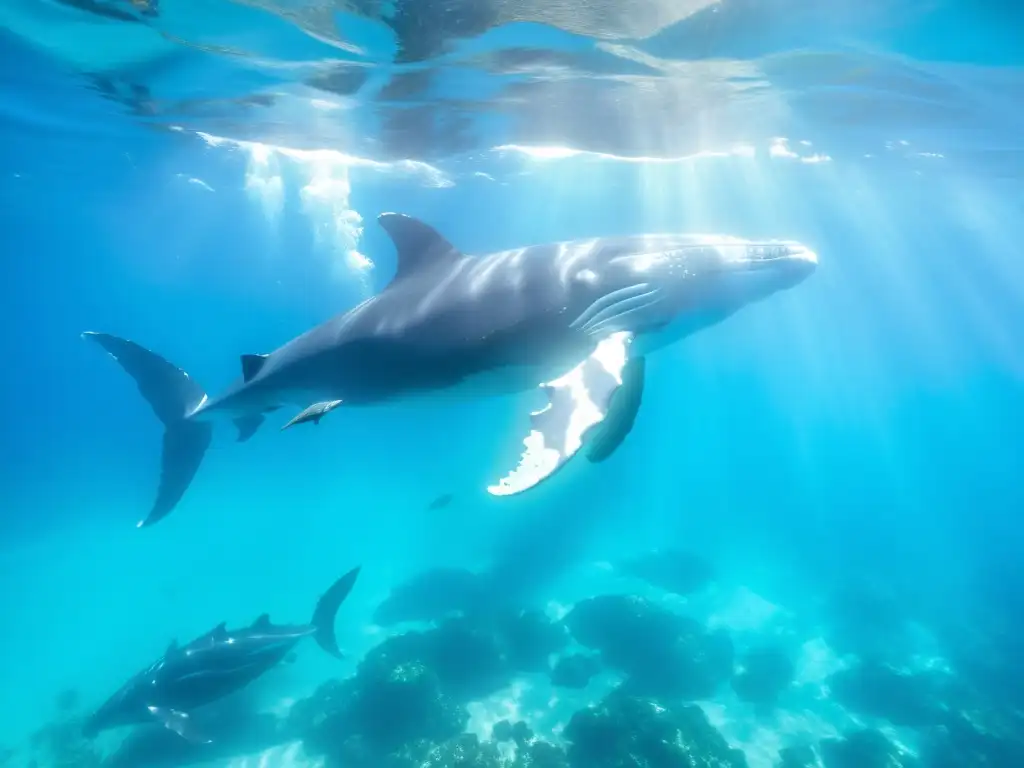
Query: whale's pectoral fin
[577, 402]
[180, 723]
[313, 413]
[247, 426]
[622, 411]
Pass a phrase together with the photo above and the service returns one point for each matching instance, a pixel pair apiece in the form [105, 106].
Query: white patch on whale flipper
[576, 402]
[180, 723]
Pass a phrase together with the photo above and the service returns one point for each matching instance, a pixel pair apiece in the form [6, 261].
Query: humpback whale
[573, 319]
[214, 665]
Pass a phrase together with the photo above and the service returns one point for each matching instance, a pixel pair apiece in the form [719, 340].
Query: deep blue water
[846, 456]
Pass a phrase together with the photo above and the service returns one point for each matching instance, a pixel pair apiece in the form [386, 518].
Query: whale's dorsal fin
[172, 648]
[417, 244]
[251, 365]
[219, 632]
[262, 621]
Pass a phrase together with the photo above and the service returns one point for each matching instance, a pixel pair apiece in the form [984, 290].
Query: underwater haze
[806, 551]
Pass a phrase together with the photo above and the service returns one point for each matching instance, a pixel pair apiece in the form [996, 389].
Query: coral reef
[803, 756]
[383, 711]
[961, 743]
[872, 688]
[407, 698]
[764, 674]
[529, 639]
[403, 720]
[468, 661]
[408, 703]
[405, 706]
[866, 617]
[466, 751]
[519, 732]
[574, 671]
[474, 657]
[864, 749]
[541, 754]
[663, 653]
[624, 730]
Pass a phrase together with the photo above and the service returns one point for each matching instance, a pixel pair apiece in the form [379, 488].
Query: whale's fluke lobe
[172, 394]
[327, 609]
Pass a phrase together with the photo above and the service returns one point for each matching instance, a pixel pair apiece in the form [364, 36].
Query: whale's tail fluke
[327, 609]
[173, 395]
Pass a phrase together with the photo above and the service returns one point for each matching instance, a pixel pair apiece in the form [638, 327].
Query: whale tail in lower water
[327, 610]
[173, 395]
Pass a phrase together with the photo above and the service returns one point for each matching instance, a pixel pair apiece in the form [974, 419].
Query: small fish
[441, 501]
[313, 413]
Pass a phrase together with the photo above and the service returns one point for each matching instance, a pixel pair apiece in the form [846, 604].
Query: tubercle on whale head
[684, 283]
[698, 254]
[787, 262]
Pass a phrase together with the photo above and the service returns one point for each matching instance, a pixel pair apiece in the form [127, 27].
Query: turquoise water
[843, 458]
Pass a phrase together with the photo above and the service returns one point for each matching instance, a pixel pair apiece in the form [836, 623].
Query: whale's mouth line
[769, 253]
[756, 264]
[778, 264]
[774, 257]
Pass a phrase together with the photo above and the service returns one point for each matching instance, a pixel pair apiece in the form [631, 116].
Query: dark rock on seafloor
[574, 671]
[625, 730]
[663, 653]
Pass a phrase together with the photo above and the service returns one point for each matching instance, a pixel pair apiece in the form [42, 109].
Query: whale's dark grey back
[446, 316]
